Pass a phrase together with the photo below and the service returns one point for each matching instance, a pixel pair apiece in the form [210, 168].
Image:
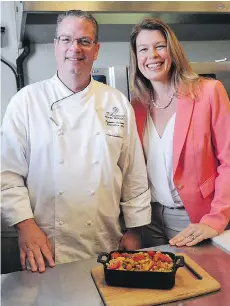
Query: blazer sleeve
[219, 215]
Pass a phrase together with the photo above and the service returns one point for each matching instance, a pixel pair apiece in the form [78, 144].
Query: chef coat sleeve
[15, 202]
[135, 194]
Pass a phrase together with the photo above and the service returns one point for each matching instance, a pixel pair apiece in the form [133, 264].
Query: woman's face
[153, 59]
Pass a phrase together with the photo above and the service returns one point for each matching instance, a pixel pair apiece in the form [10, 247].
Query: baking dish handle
[179, 262]
[101, 255]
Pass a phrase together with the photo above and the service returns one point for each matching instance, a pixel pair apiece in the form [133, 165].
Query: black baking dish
[140, 279]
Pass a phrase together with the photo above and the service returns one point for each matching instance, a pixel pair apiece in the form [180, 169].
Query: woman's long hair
[180, 73]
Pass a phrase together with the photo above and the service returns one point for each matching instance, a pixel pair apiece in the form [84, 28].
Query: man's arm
[15, 203]
[135, 195]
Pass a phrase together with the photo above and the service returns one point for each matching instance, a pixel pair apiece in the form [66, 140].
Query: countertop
[72, 285]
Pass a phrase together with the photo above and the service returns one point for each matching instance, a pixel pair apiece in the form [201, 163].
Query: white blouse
[159, 155]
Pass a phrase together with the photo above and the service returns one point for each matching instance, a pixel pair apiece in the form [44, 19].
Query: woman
[183, 122]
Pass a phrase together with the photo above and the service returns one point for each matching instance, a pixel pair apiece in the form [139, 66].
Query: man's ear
[55, 45]
[96, 51]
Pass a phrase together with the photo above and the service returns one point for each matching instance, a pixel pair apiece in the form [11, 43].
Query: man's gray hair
[79, 14]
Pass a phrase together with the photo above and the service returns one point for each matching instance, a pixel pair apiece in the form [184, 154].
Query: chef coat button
[61, 161]
[60, 133]
[180, 186]
[98, 133]
[95, 162]
[89, 223]
[61, 192]
[61, 222]
[92, 192]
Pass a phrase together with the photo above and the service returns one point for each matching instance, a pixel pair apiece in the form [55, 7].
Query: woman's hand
[193, 234]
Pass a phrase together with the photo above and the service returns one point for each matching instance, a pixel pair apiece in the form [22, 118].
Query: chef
[71, 157]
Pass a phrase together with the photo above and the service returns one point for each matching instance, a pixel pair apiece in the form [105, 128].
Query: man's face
[75, 58]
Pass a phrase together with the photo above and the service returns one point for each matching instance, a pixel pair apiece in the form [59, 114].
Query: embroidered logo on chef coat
[113, 133]
[114, 118]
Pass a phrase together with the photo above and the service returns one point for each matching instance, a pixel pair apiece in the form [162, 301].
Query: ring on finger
[193, 237]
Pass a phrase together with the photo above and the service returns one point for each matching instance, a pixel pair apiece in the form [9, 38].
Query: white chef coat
[159, 155]
[70, 167]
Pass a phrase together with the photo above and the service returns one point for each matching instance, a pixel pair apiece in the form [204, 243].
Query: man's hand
[33, 245]
[131, 239]
[193, 234]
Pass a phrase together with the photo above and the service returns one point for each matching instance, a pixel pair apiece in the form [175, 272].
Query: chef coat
[68, 161]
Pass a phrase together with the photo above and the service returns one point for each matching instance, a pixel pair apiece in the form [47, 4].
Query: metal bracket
[20, 17]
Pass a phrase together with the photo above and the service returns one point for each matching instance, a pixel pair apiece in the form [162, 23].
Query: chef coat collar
[68, 92]
[67, 88]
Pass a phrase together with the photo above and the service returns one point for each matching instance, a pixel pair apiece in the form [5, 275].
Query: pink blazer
[201, 153]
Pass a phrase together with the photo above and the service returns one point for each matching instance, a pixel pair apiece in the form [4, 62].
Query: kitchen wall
[112, 54]
[9, 52]
[118, 54]
[41, 62]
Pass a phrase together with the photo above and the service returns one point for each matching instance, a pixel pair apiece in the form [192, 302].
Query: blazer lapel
[184, 112]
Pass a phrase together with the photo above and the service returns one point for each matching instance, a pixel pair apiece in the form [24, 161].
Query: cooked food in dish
[141, 261]
[135, 269]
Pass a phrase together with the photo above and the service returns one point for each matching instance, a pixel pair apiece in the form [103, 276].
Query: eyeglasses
[83, 42]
